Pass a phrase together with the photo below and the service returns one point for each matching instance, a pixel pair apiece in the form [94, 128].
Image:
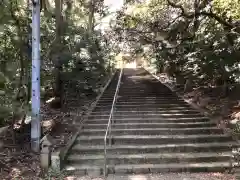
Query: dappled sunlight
[135, 77]
[138, 177]
[70, 178]
[174, 176]
[15, 173]
[70, 168]
[174, 114]
[48, 123]
[50, 100]
[131, 65]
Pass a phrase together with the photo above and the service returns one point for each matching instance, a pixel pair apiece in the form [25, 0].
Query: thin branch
[178, 6]
[217, 18]
[173, 21]
[201, 13]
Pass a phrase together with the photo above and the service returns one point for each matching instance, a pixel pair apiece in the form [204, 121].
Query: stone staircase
[153, 131]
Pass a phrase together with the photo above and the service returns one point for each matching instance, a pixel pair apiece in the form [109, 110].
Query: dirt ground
[17, 162]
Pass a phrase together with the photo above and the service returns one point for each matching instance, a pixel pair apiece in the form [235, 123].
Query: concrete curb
[58, 157]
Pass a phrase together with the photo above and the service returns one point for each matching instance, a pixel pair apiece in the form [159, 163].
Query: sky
[114, 5]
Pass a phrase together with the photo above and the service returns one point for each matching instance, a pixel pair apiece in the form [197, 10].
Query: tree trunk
[91, 17]
[58, 41]
[224, 79]
[188, 86]
[180, 79]
[225, 88]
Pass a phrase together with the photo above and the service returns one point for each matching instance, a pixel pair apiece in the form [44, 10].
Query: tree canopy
[74, 51]
[191, 39]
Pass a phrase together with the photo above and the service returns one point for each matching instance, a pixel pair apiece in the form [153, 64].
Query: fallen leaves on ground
[17, 162]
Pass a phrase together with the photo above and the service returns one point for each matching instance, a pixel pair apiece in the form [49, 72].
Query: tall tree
[58, 46]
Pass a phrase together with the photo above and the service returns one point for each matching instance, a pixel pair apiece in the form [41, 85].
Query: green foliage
[54, 174]
[83, 59]
[198, 39]
[236, 129]
[229, 7]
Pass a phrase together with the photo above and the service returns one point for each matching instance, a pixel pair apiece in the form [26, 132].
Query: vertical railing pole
[105, 158]
[35, 122]
[110, 135]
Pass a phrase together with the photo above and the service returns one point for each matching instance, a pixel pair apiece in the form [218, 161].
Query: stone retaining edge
[58, 157]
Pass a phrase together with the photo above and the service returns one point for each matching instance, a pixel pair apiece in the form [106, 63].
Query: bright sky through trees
[114, 5]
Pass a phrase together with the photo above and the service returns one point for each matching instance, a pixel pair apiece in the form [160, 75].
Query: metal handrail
[109, 128]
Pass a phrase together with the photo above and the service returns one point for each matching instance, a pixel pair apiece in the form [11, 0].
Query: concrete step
[145, 102]
[144, 116]
[119, 100]
[156, 148]
[140, 98]
[191, 112]
[137, 90]
[140, 108]
[134, 93]
[141, 86]
[148, 168]
[151, 158]
[159, 110]
[128, 86]
[151, 125]
[154, 131]
[141, 90]
[146, 105]
[149, 120]
[173, 176]
[109, 96]
[122, 99]
[173, 167]
[154, 139]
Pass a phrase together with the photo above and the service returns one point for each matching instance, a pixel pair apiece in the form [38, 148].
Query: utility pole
[35, 122]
